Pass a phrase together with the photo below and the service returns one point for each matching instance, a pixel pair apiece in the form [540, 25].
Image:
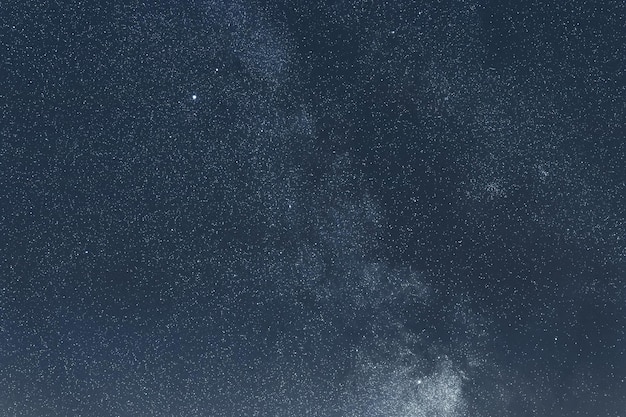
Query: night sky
[348, 208]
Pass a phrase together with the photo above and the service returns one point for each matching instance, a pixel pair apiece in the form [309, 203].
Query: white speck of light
[194, 97]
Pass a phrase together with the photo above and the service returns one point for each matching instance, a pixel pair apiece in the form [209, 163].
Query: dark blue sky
[346, 208]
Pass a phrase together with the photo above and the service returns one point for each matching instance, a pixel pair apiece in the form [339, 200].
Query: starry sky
[350, 208]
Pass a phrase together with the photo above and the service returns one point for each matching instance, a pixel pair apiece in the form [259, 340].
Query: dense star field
[348, 208]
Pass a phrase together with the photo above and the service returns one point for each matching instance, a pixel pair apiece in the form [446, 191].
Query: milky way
[346, 208]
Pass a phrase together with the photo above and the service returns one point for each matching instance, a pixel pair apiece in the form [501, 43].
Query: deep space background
[302, 208]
